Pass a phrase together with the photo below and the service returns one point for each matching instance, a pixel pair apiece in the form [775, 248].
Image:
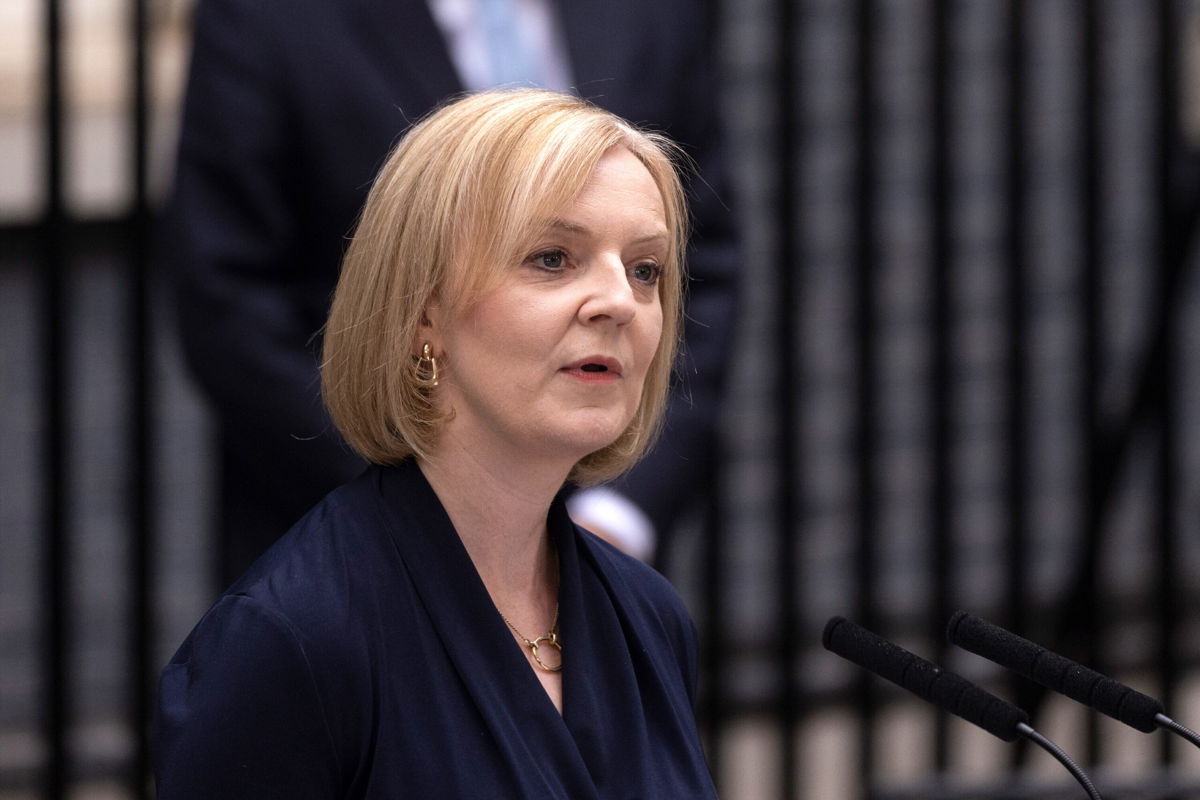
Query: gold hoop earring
[427, 368]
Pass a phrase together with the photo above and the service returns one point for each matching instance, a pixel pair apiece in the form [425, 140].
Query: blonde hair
[481, 174]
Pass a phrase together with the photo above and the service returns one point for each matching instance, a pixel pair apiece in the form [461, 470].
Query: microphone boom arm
[1064, 759]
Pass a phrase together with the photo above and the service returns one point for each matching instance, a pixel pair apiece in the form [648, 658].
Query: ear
[428, 331]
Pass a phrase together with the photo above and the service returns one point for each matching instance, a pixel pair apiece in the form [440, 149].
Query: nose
[609, 297]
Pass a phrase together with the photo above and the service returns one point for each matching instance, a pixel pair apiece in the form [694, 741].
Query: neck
[500, 514]
[499, 510]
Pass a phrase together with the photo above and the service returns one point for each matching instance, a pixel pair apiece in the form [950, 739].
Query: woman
[505, 321]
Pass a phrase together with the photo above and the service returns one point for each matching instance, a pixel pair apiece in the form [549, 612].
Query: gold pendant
[552, 640]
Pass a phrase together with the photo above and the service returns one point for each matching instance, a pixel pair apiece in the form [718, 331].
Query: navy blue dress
[363, 658]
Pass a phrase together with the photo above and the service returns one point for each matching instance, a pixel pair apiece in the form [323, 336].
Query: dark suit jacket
[362, 657]
[290, 110]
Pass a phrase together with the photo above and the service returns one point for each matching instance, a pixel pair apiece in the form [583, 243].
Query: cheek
[513, 327]
[653, 330]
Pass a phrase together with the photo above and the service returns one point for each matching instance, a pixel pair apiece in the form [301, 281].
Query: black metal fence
[53, 249]
[966, 379]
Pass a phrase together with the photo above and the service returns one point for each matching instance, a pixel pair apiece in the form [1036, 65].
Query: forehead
[620, 175]
[620, 193]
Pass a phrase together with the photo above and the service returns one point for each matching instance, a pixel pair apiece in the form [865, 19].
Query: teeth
[594, 368]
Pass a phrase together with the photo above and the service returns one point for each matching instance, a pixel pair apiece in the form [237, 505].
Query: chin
[583, 447]
[590, 435]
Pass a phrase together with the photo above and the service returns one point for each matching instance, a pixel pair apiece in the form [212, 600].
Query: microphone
[943, 688]
[1062, 675]
[926, 680]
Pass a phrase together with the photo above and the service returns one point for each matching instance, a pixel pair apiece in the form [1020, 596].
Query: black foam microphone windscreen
[1054, 671]
[923, 678]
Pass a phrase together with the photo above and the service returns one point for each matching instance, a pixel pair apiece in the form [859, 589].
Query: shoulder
[317, 556]
[281, 664]
[322, 579]
[651, 605]
[290, 612]
[241, 691]
[309, 585]
[645, 585]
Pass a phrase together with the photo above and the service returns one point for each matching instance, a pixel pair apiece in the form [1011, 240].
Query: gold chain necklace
[550, 638]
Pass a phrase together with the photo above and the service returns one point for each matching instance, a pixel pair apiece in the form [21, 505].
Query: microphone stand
[1171, 725]
[1064, 759]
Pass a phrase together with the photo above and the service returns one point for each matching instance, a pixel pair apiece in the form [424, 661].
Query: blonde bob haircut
[458, 202]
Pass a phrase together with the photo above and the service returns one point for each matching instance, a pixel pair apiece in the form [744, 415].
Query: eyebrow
[567, 227]
[575, 228]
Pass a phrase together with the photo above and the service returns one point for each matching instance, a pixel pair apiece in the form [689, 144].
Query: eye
[550, 260]
[646, 273]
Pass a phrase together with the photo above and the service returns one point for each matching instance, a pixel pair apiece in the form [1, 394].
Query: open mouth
[596, 368]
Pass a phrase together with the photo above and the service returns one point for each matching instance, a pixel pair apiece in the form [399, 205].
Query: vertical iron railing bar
[864, 256]
[140, 613]
[1091, 267]
[1017, 412]
[1076, 629]
[1166, 124]
[788, 393]
[941, 418]
[56, 616]
[716, 651]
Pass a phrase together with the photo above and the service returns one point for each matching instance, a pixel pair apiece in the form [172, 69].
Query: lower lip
[593, 377]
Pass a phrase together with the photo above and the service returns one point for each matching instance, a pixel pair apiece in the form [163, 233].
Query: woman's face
[550, 363]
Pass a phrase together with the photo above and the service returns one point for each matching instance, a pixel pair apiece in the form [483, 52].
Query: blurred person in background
[290, 110]
[506, 318]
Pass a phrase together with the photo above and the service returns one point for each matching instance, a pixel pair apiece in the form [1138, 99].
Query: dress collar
[613, 680]
[490, 663]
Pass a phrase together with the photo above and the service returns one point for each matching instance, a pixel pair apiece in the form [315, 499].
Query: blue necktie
[507, 53]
